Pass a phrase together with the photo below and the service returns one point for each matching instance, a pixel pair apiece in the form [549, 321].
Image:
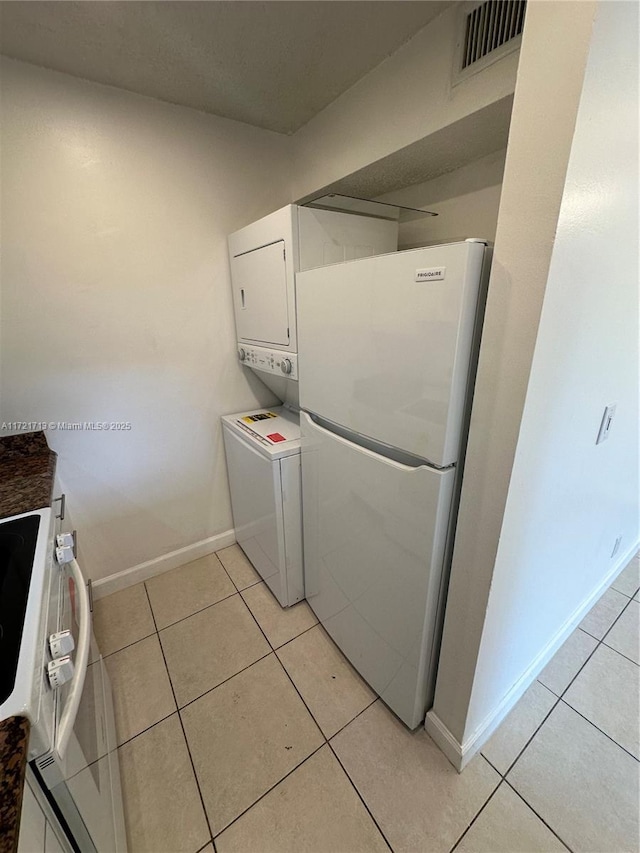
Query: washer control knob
[61, 643]
[285, 365]
[60, 671]
[242, 354]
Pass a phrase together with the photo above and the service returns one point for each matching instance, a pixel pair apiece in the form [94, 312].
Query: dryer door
[260, 295]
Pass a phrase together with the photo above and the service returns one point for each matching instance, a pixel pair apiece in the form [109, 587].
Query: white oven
[72, 745]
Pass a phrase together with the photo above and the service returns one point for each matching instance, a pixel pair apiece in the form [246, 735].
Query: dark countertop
[27, 469]
[14, 738]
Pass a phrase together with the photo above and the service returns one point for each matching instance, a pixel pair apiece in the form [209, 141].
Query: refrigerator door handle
[398, 459]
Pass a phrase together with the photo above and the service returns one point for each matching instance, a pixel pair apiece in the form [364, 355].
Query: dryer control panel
[269, 360]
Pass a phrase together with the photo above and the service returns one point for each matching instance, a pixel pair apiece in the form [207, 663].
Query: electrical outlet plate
[605, 425]
[616, 547]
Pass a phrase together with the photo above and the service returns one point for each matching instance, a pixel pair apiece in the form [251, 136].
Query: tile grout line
[293, 684]
[601, 639]
[260, 580]
[626, 594]
[171, 624]
[528, 805]
[330, 745]
[556, 702]
[306, 631]
[326, 741]
[128, 646]
[195, 612]
[539, 816]
[353, 785]
[274, 650]
[480, 810]
[293, 769]
[559, 698]
[623, 748]
[144, 731]
[269, 790]
[215, 687]
[271, 651]
[600, 642]
[184, 734]
[286, 643]
[631, 660]
[359, 714]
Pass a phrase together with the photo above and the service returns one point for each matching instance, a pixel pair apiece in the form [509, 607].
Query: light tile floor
[243, 728]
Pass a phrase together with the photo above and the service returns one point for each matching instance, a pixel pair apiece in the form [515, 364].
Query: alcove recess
[455, 172]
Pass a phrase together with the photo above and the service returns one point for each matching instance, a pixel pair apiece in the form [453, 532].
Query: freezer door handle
[388, 455]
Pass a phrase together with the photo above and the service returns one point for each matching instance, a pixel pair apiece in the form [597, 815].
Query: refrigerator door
[385, 344]
[375, 531]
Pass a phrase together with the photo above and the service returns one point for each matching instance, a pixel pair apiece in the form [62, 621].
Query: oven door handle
[68, 718]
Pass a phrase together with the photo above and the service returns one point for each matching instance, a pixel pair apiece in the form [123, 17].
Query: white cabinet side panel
[257, 510]
[330, 237]
[292, 518]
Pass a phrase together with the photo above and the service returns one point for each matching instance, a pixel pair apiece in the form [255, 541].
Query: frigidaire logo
[433, 274]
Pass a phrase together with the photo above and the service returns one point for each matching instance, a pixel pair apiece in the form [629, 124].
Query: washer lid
[274, 432]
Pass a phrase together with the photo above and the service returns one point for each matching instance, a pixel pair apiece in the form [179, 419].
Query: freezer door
[385, 343]
[260, 299]
[374, 540]
[256, 501]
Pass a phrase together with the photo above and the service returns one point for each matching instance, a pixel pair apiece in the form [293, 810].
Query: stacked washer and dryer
[263, 446]
[373, 443]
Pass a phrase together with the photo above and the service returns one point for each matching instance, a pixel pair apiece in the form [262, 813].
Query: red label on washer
[275, 436]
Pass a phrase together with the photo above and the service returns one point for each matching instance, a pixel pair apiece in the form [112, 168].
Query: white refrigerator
[386, 365]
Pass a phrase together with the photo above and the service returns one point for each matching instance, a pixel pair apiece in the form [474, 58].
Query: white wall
[569, 499]
[466, 201]
[404, 99]
[116, 302]
[539, 518]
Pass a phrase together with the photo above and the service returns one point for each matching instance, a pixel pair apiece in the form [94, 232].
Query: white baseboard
[438, 732]
[459, 754]
[144, 571]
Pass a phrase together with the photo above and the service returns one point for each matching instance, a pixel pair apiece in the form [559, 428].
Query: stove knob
[61, 644]
[241, 354]
[65, 540]
[286, 366]
[64, 555]
[60, 671]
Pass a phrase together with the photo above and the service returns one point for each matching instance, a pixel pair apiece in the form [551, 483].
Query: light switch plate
[607, 420]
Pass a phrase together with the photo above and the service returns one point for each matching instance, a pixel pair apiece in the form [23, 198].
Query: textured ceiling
[270, 64]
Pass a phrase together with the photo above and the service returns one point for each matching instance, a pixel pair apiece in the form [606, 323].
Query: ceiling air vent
[488, 31]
